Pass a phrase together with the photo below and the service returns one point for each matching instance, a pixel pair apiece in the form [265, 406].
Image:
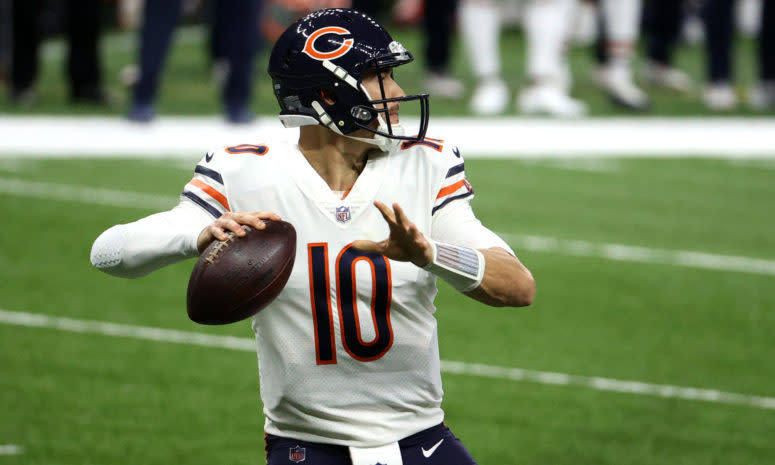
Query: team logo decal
[297, 454]
[343, 214]
[312, 51]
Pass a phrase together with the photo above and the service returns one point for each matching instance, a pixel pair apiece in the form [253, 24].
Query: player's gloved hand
[405, 243]
[233, 221]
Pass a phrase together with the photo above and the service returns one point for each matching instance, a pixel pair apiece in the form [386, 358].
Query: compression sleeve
[456, 224]
[136, 249]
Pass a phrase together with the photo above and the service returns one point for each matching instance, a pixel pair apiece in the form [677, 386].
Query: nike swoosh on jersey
[209, 157]
[429, 452]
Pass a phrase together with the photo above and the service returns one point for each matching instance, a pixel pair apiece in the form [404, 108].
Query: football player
[348, 354]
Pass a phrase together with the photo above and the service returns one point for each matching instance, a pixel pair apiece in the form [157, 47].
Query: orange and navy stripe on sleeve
[206, 189]
[454, 187]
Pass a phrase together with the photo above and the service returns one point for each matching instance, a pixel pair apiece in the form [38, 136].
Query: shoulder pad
[454, 186]
[208, 186]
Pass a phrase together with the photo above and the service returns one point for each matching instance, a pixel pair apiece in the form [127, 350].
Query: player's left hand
[405, 243]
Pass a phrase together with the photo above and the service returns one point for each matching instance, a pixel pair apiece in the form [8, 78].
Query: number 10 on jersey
[347, 304]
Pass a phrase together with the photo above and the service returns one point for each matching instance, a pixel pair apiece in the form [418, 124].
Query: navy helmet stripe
[456, 169]
[450, 199]
[214, 175]
[210, 209]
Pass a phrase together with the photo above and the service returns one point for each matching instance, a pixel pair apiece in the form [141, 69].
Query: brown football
[237, 278]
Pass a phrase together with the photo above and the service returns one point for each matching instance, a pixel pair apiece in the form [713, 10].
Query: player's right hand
[232, 222]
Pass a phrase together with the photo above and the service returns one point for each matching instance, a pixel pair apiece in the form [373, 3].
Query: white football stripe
[90, 195]
[447, 366]
[628, 253]
[11, 449]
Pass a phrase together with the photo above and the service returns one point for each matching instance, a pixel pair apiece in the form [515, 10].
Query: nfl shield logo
[297, 454]
[343, 214]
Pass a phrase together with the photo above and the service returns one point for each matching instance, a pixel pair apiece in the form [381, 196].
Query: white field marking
[617, 252]
[82, 194]
[447, 366]
[11, 449]
[628, 253]
[589, 165]
[37, 320]
[759, 164]
[514, 137]
[608, 384]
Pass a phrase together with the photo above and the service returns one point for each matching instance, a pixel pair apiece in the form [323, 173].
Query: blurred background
[624, 148]
[563, 58]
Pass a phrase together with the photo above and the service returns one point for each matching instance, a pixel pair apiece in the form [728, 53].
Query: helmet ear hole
[328, 96]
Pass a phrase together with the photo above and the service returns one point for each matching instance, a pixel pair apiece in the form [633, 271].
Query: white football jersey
[348, 352]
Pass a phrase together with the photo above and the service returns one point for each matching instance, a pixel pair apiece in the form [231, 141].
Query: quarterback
[348, 353]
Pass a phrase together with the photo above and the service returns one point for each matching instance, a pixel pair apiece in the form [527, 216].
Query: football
[237, 278]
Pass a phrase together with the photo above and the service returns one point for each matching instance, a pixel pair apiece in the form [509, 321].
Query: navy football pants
[284, 451]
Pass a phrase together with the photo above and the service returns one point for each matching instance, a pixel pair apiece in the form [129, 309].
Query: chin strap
[385, 144]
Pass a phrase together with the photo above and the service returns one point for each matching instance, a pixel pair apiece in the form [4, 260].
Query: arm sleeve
[136, 249]
[457, 224]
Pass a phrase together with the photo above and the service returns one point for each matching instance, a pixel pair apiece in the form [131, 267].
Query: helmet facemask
[387, 135]
[379, 111]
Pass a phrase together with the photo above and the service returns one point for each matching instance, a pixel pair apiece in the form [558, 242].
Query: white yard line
[617, 252]
[447, 366]
[90, 195]
[11, 449]
[508, 137]
[628, 253]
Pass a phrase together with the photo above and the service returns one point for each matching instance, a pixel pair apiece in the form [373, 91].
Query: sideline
[447, 366]
[505, 137]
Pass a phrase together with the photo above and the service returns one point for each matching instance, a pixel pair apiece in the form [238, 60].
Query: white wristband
[461, 267]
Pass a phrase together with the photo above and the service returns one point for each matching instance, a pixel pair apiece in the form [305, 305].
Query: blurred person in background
[82, 29]
[616, 45]
[762, 96]
[234, 43]
[438, 22]
[5, 39]
[719, 38]
[547, 26]
[663, 20]
[278, 14]
[437, 18]
[717, 18]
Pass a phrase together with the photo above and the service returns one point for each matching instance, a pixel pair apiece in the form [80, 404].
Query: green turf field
[70, 398]
[187, 86]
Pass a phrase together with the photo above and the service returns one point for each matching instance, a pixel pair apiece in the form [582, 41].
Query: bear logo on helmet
[313, 52]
